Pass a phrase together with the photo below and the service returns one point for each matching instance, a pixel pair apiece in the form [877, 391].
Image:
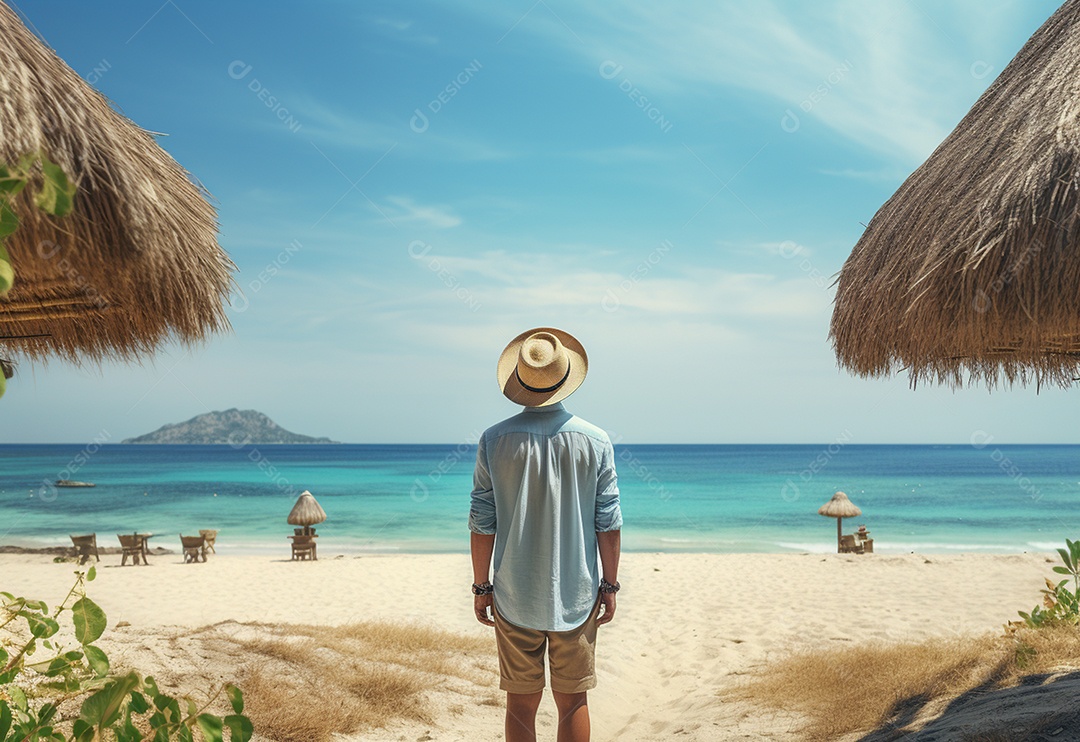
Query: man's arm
[608, 527]
[609, 543]
[481, 545]
[482, 526]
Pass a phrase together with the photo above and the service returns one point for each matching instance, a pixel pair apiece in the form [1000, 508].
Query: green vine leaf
[89, 620]
[57, 194]
[9, 221]
[138, 703]
[98, 660]
[10, 183]
[236, 698]
[18, 697]
[240, 728]
[103, 708]
[40, 626]
[81, 731]
[5, 719]
[210, 726]
[7, 272]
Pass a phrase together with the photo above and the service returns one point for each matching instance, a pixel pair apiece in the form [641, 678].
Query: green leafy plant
[1060, 604]
[55, 196]
[121, 707]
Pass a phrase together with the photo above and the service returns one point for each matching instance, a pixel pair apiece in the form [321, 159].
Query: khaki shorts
[571, 656]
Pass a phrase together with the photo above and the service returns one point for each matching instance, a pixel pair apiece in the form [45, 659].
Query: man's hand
[481, 603]
[608, 600]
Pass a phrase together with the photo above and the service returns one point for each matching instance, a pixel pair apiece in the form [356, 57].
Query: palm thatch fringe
[306, 511]
[970, 273]
[137, 260]
[839, 506]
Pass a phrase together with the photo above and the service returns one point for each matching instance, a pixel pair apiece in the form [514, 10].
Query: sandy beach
[688, 625]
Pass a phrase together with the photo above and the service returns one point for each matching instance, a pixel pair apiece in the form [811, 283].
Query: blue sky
[404, 187]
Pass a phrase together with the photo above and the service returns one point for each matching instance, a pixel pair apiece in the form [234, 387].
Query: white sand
[686, 624]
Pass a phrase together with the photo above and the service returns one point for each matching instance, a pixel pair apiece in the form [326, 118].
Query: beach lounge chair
[209, 537]
[134, 546]
[85, 546]
[303, 547]
[194, 548]
[848, 545]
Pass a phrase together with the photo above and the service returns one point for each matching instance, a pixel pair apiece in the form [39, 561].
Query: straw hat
[542, 366]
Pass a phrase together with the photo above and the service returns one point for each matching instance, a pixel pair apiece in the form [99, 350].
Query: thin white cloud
[394, 24]
[403, 210]
[526, 283]
[328, 125]
[883, 74]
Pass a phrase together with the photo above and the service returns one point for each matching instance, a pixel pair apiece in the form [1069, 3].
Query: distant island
[232, 427]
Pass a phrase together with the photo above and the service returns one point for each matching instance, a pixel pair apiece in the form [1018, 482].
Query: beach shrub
[55, 196]
[1060, 604]
[38, 698]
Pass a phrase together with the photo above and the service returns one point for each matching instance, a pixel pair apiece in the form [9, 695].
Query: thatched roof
[306, 511]
[971, 271]
[839, 507]
[137, 261]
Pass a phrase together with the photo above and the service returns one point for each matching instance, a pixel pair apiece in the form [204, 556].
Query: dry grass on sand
[304, 683]
[988, 686]
[317, 680]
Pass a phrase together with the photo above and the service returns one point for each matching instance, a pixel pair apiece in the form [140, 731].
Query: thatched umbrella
[137, 260]
[306, 512]
[839, 507]
[972, 269]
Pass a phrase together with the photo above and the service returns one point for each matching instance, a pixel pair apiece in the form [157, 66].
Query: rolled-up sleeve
[482, 507]
[608, 512]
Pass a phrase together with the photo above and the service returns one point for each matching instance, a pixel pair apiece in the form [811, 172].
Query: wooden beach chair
[303, 547]
[144, 538]
[848, 545]
[862, 538]
[194, 548]
[133, 546]
[209, 536]
[84, 546]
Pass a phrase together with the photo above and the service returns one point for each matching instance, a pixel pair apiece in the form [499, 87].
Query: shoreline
[332, 547]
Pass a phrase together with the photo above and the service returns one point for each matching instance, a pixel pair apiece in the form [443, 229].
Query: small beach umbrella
[971, 271]
[136, 262]
[307, 511]
[839, 507]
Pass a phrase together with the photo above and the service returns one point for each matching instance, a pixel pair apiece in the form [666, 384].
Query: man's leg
[573, 716]
[521, 716]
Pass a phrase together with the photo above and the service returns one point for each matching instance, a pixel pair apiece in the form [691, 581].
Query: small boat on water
[73, 483]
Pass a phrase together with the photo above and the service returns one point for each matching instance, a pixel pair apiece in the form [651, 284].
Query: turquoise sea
[415, 498]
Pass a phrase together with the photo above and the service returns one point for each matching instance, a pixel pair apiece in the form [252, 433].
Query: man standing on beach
[545, 501]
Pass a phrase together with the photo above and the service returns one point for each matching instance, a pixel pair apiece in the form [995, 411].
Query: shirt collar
[557, 407]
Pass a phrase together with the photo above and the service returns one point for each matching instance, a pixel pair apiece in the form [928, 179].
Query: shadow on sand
[1041, 707]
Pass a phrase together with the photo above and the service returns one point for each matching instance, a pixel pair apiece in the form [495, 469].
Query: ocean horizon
[414, 498]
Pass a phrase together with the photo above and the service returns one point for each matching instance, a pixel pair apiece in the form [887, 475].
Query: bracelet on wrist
[484, 588]
[607, 587]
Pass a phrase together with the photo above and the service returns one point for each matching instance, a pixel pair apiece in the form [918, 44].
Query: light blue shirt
[544, 484]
